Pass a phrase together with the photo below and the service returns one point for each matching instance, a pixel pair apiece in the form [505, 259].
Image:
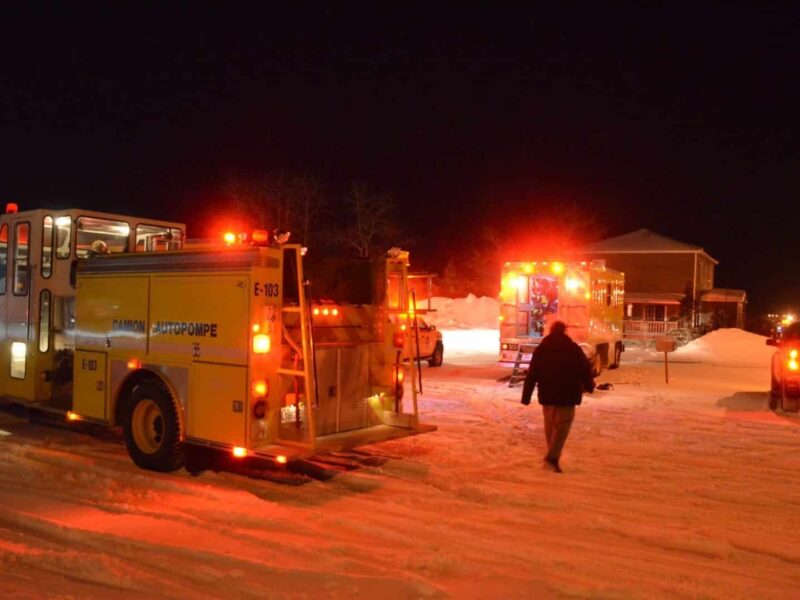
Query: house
[669, 285]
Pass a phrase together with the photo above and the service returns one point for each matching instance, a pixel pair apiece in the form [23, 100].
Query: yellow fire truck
[253, 349]
[587, 296]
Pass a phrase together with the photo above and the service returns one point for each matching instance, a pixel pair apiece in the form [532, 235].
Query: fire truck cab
[40, 252]
[587, 296]
[253, 349]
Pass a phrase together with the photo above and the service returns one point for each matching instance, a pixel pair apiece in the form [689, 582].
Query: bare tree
[288, 201]
[372, 220]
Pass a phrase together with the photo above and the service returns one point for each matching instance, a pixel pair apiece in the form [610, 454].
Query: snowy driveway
[686, 490]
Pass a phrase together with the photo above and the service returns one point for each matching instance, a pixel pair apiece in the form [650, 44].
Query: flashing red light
[134, 363]
[259, 236]
[11, 207]
[71, 416]
[325, 312]
[239, 452]
[229, 237]
[335, 312]
[316, 312]
[399, 339]
[281, 459]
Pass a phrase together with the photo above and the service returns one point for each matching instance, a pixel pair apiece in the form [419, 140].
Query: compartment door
[217, 401]
[89, 391]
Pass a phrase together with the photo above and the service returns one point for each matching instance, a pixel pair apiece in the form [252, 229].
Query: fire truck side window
[21, 243]
[63, 236]
[3, 257]
[153, 238]
[47, 247]
[44, 321]
[114, 234]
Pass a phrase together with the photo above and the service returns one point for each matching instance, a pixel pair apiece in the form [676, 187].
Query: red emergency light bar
[11, 207]
[258, 237]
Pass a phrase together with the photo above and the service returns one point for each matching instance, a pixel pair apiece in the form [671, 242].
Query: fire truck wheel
[617, 357]
[152, 428]
[597, 365]
[775, 392]
[438, 355]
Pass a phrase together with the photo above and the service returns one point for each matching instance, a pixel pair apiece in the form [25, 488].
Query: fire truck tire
[437, 358]
[597, 365]
[617, 357]
[152, 428]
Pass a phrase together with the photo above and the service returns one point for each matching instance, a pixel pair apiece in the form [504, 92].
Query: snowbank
[727, 347]
[464, 313]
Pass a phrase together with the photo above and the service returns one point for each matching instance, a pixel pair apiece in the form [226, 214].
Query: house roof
[643, 241]
[724, 295]
[654, 297]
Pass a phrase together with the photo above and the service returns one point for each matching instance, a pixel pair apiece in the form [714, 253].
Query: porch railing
[633, 328]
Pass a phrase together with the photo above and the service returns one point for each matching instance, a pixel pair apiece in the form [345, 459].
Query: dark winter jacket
[561, 370]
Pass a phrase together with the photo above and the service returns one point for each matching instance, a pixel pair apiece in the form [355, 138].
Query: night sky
[682, 118]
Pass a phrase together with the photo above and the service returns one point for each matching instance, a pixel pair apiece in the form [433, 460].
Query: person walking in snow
[561, 370]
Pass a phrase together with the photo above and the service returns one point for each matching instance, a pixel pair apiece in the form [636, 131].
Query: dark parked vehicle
[785, 380]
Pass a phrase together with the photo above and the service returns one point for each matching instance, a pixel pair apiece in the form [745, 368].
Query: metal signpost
[666, 346]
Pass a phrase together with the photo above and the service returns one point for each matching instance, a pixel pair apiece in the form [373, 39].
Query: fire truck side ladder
[308, 372]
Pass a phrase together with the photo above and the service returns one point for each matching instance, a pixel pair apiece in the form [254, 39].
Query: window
[3, 257]
[63, 236]
[655, 312]
[113, 235]
[44, 321]
[19, 351]
[608, 294]
[21, 243]
[153, 238]
[47, 247]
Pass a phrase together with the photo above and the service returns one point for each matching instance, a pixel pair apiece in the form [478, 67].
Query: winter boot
[551, 464]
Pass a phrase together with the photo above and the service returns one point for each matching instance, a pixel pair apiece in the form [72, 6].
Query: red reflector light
[261, 343]
[239, 452]
[134, 363]
[281, 459]
[259, 236]
[12, 207]
[399, 339]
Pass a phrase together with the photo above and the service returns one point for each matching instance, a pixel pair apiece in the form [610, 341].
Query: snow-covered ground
[681, 490]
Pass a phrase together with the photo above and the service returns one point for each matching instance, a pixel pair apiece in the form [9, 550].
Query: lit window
[47, 247]
[44, 321]
[63, 236]
[153, 238]
[19, 350]
[3, 257]
[113, 234]
[21, 243]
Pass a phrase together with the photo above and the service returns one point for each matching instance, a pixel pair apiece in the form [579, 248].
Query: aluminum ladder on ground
[519, 372]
